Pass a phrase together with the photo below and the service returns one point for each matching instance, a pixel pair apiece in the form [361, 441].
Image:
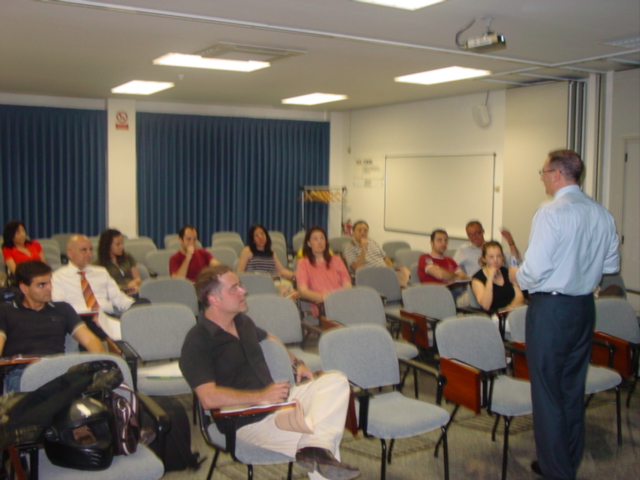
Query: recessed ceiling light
[449, 74]
[404, 4]
[196, 61]
[141, 87]
[314, 99]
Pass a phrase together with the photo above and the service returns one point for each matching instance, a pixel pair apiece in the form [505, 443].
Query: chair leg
[213, 464]
[507, 423]
[390, 450]
[290, 471]
[443, 434]
[249, 472]
[383, 463]
[619, 422]
[445, 451]
[415, 382]
[633, 387]
[495, 428]
[194, 408]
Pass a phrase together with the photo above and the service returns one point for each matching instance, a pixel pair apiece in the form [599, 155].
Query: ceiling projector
[487, 42]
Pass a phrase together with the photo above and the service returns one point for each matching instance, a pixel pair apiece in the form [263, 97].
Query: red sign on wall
[122, 121]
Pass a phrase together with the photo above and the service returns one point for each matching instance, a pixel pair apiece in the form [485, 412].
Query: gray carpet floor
[472, 454]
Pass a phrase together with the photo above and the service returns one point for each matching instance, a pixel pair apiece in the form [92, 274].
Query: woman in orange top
[17, 247]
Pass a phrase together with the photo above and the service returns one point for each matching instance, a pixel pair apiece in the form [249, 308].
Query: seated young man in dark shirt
[223, 362]
[34, 325]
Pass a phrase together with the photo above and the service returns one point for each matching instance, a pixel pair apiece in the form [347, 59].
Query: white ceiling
[60, 49]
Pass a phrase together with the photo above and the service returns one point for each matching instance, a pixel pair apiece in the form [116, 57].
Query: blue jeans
[12, 379]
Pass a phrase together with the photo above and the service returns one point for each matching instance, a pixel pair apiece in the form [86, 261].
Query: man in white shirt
[467, 256]
[67, 287]
[573, 242]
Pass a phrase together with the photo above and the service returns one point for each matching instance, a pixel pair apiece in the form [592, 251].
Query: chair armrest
[131, 357]
[428, 370]
[471, 311]
[519, 367]
[161, 418]
[462, 384]
[327, 324]
[311, 328]
[625, 356]
[415, 328]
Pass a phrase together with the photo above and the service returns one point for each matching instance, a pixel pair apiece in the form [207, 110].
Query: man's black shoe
[535, 467]
[322, 460]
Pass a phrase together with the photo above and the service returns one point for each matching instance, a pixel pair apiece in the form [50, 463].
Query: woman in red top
[17, 247]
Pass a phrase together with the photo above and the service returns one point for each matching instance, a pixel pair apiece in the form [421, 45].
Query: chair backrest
[354, 306]
[364, 353]
[225, 255]
[139, 250]
[407, 257]
[277, 236]
[435, 301]
[276, 315]
[472, 340]
[413, 271]
[383, 279]
[390, 248]
[169, 238]
[47, 242]
[158, 261]
[52, 258]
[143, 271]
[256, 283]
[298, 240]
[338, 244]
[278, 361]
[616, 317]
[157, 332]
[280, 251]
[224, 234]
[62, 239]
[517, 324]
[134, 241]
[229, 241]
[613, 279]
[48, 368]
[170, 290]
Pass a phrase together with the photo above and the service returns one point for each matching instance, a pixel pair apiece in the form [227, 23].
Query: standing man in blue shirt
[573, 242]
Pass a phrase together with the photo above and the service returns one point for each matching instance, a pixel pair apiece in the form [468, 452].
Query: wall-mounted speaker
[481, 115]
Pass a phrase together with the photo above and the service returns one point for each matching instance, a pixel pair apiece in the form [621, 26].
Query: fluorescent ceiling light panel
[196, 61]
[404, 4]
[449, 74]
[141, 87]
[314, 99]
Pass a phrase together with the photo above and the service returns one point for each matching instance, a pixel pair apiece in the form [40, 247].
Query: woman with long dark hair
[258, 256]
[120, 265]
[319, 272]
[17, 247]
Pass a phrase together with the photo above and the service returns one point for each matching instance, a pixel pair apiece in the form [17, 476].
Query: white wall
[435, 127]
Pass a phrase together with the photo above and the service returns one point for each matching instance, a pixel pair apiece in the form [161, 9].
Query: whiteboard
[425, 192]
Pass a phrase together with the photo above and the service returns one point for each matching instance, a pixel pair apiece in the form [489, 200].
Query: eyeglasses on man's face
[541, 172]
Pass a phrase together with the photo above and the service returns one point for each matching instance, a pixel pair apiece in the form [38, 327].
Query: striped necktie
[89, 297]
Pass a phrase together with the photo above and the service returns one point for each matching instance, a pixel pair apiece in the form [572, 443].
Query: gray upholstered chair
[141, 465]
[366, 355]
[338, 244]
[156, 333]
[472, 360]
[280, 317]
[229, 241]
[280, 251]
[390, 248]
[363, 305]
[297, 241]
[169, 238]
[158, 262]
[224, 234]
[280, 368]
[599, 379]
[407, 257]
[170, 290]
[174, 244]
[139, 250]
[616, 323]
[382, 279]
[225, 255]
[277, 236]
[257, 283]
[61, 239]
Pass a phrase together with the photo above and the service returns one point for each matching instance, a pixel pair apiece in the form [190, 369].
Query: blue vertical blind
[53, 169]
[226, 173]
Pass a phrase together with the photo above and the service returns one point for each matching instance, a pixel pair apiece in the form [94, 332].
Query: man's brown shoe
[322, 460]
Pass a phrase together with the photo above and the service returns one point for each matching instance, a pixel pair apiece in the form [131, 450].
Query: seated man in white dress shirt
[110, 299]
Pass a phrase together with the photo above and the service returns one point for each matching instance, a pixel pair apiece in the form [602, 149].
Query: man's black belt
[558, 294]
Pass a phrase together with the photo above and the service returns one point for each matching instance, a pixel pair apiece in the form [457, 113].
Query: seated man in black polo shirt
[223, 362]
[34, 325]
